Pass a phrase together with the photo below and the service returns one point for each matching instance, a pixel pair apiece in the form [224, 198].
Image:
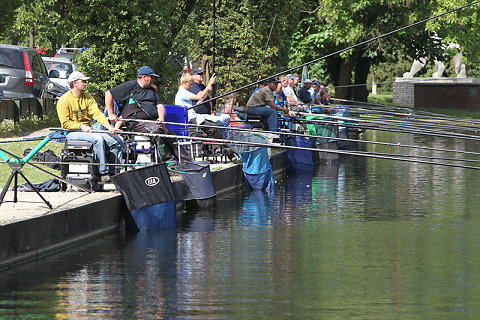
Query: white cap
[77, 75]
[307, 81]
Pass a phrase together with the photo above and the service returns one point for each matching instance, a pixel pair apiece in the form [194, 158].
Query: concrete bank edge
[30, 239]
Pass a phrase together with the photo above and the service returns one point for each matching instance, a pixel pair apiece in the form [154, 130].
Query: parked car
[59, 69]
[2, 96]
[22, 72]
[67, 53]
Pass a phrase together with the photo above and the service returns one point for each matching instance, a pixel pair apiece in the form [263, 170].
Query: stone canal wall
[445, 93]
[31, 238]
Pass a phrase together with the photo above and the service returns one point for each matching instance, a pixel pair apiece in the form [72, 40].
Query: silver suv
[22, 72]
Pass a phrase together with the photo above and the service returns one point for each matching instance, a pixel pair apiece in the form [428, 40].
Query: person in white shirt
[289, 92]
[185, 97]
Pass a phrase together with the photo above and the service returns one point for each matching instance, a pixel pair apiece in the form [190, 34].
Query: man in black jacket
[141, 100]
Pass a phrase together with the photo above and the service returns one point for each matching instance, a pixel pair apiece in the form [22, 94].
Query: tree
[340, 24]
[241, 33]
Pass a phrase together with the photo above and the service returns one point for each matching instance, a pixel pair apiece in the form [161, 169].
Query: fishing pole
[420, 156]
[414, 113]
[266, 46]
[280, 146]
[415, 123]
[401, 123]
[213, 36]
[346, 49]
[398, 145]
[390, 129]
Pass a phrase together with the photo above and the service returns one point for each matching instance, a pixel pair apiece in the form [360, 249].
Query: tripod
[16, 165]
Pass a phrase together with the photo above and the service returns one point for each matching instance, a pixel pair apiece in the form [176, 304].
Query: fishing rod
[420, 156]
[213, 36]
[280, 146]
[266, 46]
[414, 113]
[398, 145]
[415, 123]
[346, 49]
[403, 123]
[390, 129]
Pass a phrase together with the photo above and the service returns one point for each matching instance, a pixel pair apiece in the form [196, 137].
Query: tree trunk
[362, 67]
[15, 39]
[344, 78]
[32, 38]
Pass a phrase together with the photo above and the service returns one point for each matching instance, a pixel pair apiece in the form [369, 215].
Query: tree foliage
[122, 35]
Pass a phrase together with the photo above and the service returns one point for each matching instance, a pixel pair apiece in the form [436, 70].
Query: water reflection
[257, 208]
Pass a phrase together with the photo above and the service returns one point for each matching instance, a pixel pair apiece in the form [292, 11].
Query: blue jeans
[99, 141]
[269, 113]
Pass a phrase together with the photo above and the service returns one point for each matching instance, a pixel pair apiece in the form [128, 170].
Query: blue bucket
[299, 156]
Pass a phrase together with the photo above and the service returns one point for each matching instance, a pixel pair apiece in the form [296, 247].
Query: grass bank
[25, 127]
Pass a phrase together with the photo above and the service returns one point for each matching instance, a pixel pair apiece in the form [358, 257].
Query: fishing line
[266, 46]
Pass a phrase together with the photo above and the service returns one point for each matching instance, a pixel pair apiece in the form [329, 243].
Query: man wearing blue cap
[140, 100]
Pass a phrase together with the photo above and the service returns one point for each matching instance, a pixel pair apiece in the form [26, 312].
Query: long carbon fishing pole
[399, 123]
[390, 129]
[280, 146]
[437, 124]
[346, 49]
[397, 145]
[413, 112]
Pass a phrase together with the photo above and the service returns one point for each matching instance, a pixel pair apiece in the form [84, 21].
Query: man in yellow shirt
[76, 109]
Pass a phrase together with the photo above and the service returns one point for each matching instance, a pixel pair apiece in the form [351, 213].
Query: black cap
[273, 79]
[196, 71]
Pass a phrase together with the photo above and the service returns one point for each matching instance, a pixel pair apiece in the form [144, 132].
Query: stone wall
[463, 93]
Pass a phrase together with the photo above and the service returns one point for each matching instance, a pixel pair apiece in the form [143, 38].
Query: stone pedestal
[461, 93]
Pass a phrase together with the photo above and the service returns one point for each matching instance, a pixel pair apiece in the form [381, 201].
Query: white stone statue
[416, 66]
[459, 67]
[457, 62]
[463, 72]
[438, 70]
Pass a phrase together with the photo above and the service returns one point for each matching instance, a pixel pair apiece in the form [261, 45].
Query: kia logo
[152, 181]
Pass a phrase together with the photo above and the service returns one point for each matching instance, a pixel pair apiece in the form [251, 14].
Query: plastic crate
[179, 114]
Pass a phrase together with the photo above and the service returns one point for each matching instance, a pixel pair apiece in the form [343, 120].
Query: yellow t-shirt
[74, 111]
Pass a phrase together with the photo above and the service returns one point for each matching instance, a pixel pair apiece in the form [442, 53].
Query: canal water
[360, 239]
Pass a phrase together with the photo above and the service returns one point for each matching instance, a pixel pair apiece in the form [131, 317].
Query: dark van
[22, 72]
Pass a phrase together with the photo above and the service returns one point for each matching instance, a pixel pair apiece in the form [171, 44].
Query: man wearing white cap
[76, 109]
[304, 93]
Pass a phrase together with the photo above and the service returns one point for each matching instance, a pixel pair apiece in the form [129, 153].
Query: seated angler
[304, 93]
[142, 102]
[261, 103]
[316, 91]
[289, 91]
[185, 97]
[76, 109]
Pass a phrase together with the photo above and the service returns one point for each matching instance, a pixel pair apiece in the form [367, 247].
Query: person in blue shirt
[304, 93]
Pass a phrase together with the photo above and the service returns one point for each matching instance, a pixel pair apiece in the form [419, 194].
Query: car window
[37, 62]
[11, 58]
[64, 69]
